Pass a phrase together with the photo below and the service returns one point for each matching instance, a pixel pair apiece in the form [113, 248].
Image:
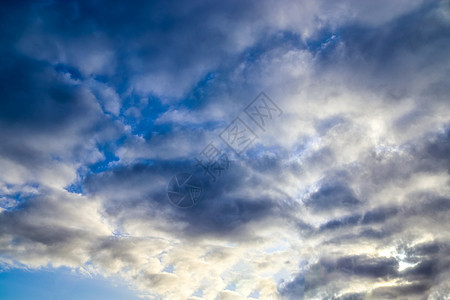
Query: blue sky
[59, 284]
[317, 134]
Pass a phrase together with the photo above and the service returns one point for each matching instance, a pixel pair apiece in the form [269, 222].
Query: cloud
[344, 196]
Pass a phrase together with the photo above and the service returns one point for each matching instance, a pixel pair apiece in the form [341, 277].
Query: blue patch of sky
[231, 286]
[108, 150]
[198, 293]
[168, 269]
[61, 283]
[103, 165]
[201, 92]
[76, 188]
[145, 123]
[323, 42]
[284, 38]
[254, 294]
[9, 202]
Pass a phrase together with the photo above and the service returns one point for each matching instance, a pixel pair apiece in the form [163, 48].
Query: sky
[225, 149]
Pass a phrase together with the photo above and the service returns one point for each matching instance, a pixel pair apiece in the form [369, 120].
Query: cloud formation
[345, 196]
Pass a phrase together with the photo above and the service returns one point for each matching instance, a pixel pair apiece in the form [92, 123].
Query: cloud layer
[345, 196]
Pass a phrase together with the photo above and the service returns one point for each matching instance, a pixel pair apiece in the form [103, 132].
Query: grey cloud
[364, 266]
[293, 289]
[409, 290]
[367, 266]
[332, 195]
[128, 190]
[54, 231]
[385, 56]
[341, 222]
[351, 296]
[370, 217]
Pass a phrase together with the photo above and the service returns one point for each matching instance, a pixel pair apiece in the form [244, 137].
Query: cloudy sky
[317, 134]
